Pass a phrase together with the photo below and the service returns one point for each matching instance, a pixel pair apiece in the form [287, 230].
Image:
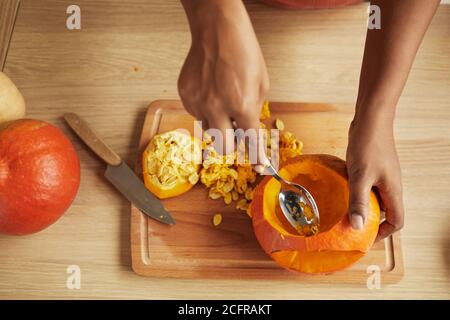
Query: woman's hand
[372, 161]
[371, 156]
[224, 77]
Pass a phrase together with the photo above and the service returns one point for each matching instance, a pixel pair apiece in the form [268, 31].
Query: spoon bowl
[296, 203]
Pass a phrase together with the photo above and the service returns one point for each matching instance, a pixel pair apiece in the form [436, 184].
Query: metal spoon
[293, 203]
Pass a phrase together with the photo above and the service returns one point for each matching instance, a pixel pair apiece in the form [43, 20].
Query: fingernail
[357, 221]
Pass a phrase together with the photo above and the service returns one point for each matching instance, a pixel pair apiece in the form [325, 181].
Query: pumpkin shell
[39, 176]
[337, 245]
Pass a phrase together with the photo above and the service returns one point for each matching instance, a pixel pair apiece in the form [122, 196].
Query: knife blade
[124, 179]
[118, 172]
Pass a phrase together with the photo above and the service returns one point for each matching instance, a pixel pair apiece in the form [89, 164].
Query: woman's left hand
[372, 162]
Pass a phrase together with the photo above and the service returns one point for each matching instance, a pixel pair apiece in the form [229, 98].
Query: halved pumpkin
[171, 164]
[336, 245]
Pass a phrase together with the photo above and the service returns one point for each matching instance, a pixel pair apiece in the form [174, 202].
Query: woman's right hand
[224, 77]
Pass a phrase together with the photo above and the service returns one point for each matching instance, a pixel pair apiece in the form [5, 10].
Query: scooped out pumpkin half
[336, 245]
[171, 164]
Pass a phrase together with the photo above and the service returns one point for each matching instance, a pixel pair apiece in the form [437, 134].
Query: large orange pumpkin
[337, 245]
[39, 176]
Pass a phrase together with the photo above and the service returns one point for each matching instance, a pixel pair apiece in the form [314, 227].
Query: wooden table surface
[128, 54]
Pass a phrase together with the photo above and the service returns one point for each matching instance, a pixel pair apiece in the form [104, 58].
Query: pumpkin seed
[279, 124]
[217, 219]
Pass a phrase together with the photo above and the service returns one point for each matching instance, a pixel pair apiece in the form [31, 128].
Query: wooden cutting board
[194, 248]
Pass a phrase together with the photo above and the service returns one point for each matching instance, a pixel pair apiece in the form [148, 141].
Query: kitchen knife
[119, 174]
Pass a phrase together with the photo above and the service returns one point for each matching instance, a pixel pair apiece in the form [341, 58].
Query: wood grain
[92, 139]
[194, 248]
[8, 14]
[129, 54]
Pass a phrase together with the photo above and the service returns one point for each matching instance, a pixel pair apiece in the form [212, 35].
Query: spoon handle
[275, 174]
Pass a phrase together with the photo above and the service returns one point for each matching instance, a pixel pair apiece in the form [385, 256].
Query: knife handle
[82, 129]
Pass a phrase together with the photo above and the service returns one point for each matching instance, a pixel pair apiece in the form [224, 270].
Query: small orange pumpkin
[337, 245]
[171, 164]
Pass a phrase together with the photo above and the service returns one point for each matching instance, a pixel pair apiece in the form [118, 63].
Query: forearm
[224, 78]
[388, 56]
[209, 18]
